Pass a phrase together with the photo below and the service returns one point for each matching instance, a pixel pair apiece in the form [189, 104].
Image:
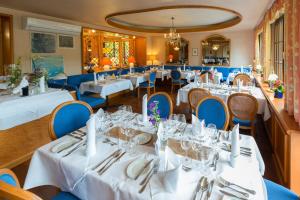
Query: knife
[143, 169]
[233, 195]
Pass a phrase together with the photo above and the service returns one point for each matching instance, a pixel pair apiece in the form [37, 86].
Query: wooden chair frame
[54, 112]
[11, 173]
[252, 115]
[234, 82]
[168, 97]
[224, 105]
[196, 89]
[10, 192]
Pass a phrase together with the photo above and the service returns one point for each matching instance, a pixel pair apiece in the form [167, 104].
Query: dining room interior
[136, 99]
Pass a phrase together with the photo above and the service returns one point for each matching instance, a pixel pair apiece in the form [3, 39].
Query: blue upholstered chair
[148, 84]
[10, 189]
[176, 79]
[165, 105]
[243, 108]
[68, 117]
[213, 110]
[278, 192]
[94, 102]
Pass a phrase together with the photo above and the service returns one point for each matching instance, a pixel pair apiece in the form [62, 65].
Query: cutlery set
[245, 151]
[153, 170]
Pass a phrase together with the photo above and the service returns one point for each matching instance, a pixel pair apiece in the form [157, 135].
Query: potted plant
[278, 89]
[15, 73]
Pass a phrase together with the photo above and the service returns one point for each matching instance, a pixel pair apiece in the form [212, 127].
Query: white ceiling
[183, 17]
[95, 11]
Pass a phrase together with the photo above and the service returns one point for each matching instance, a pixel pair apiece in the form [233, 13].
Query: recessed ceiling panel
[188, 18]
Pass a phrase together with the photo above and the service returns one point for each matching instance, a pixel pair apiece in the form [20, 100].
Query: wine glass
[213, 133]
[181, 118]
[127, 108]
[173, 117]
[186, 145]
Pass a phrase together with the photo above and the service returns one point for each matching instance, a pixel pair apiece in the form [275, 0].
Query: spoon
[203, 186]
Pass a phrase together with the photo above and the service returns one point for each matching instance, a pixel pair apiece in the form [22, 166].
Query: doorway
[6, 42]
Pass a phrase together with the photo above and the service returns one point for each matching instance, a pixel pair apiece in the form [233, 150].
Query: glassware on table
[186, 144]
[213, 133]
[181, 118]
[127, 108]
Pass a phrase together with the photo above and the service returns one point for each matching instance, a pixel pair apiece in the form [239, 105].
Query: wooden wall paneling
[141, 51]
[7, 55]
[294, 161]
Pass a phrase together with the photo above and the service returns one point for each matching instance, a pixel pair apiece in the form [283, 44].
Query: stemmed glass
[127, 108]
[213, 133]
[186, 145]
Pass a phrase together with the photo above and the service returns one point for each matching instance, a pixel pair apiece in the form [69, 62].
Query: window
[277, 47]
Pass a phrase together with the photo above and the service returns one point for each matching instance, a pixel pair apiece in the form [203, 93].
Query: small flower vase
[278, 94]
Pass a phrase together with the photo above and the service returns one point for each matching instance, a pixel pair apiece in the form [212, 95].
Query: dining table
[224, 91]
[68, 167]
[136, 78]
[106, 86]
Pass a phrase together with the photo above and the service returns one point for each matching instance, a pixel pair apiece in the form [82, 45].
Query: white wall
[241, 48]
[22, 45]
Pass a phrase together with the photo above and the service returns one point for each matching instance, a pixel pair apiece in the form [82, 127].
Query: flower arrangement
[278, 89]
[15, 73]
[155, 113]
[39, 73]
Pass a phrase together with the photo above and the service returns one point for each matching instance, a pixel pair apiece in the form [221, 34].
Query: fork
[147, 178]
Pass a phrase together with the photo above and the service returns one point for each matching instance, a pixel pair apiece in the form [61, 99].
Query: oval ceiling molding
[188, 18]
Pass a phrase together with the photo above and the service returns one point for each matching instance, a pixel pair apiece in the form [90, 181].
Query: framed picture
[43, 43]
[65, 41]
[53, 64]
[194, 51]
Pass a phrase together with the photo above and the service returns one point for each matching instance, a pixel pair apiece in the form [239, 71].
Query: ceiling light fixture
[172, 37]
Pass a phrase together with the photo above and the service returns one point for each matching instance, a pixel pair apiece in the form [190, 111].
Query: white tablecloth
[162, 74]
[136, 79]
[188, 75]
[73, 173]
[16, 110]
[3, 86]
[106, 87]
[182, 97]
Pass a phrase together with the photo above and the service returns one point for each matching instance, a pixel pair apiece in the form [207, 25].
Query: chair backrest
[10, 187]
[175, 74]
[152, 77]
[195, 95]
[243, 77]
[213, 110]
[165, 104]
[68, 117]
[203, 75]
[242, 106]
[9, 177]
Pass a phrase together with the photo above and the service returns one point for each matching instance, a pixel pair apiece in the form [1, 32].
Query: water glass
[213, 133]
[181, 118]
[127, 108]
[186, 144]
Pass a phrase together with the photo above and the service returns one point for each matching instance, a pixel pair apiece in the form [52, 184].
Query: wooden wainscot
[284, 135]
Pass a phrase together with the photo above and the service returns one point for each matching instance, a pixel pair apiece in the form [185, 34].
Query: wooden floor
[46, 192]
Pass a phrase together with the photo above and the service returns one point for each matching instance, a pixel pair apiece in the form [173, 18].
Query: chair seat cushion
[92, 101]
[7, 178]
[146, 84]
[178, 81]
[278, 192]
[65, 196]
[242, 122]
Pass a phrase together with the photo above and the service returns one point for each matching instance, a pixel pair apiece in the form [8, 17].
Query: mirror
[216, 51]
[180, 55]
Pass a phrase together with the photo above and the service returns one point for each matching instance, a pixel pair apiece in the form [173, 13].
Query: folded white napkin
[198, 126]
[235, 146]
[163, 67]
[95, 78]
[91, 137]
[42, 84]
[242, 69]
[24, 83]
[144, 108]
[183, 67]
[171, 176]
[130, 70]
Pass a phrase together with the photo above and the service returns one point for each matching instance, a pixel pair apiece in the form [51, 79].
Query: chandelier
[173, 38]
